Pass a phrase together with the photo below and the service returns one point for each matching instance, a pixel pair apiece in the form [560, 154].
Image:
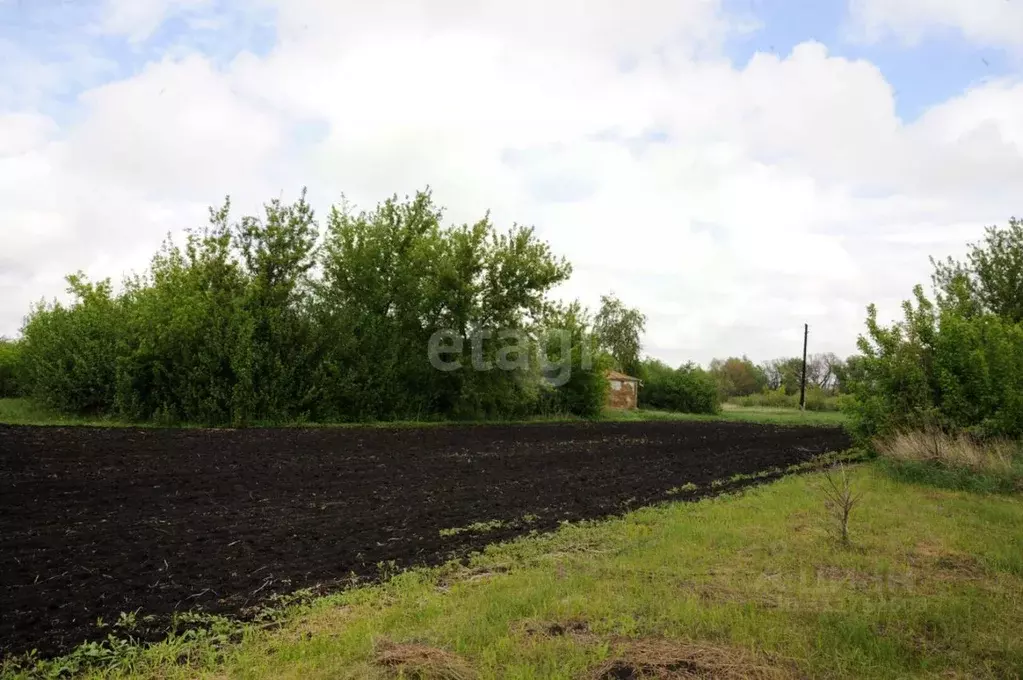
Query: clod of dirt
[676, 660]
[420, 662]
[552, 629]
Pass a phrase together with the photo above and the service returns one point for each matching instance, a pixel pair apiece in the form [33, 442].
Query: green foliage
[11, 367]
[991, 279]
[69, 353]
[574, 368]
[784, 374]
[393, 278]
[188, 333]
[954, 365]
[937, 368]
[262, 320]
[618, 329]
[687, 389]
[737, 377]
[823, 371]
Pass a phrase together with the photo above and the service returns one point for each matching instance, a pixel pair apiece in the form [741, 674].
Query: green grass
[753, 414]
[931, 587]
[27, 412]
[956, 478]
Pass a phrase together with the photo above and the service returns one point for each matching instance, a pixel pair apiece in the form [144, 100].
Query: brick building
[624, 392]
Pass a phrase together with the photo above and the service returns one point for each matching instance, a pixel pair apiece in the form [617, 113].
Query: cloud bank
[730, 202]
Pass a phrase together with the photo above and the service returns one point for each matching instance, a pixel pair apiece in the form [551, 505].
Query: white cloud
[178, 129]
[996, 22]
[137, 19]
[729, 204]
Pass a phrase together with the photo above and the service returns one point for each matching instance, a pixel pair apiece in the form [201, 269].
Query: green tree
[737, 377]
[956, 364]
[394, 277]
[573, 365]
[848, 370]
[278, 253]
[618, 329]
[991, 278]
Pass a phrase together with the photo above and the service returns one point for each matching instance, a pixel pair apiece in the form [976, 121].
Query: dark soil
[95, 521]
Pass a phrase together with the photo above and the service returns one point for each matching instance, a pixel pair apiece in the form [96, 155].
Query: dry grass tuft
[676, 660]
[939, 564]
[421, 662]
[960, 450]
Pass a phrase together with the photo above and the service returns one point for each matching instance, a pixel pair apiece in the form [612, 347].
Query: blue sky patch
[936, 69]
[60, 51]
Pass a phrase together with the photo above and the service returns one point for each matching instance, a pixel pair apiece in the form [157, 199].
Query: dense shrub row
[265, 319]
[688, 389]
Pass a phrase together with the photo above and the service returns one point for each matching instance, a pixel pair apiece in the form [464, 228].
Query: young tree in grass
[618, 329]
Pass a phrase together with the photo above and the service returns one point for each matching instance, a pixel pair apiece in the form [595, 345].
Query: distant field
[25, 412]
[752, 414]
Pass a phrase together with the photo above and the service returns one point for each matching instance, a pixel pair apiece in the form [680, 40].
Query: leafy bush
[262, 321]
[69, 353]
[938, 368]
[11, 380]
[687, 389]
[955, 365]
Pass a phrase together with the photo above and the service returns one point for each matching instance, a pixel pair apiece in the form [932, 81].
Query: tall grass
[958, 461]
[955, 450]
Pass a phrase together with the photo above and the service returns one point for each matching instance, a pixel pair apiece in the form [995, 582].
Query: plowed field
[97, 521]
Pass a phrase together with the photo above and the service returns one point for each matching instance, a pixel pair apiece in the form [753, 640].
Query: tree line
[277, 318]
[268, 319]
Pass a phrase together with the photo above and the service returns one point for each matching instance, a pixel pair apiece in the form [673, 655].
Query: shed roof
[615, 375]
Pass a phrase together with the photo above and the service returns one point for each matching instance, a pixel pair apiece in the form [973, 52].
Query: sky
[733, 168]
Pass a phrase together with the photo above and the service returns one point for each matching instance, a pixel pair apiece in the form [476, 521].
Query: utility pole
[802, 384]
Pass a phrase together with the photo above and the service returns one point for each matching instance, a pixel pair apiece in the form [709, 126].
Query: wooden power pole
[802, 383]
